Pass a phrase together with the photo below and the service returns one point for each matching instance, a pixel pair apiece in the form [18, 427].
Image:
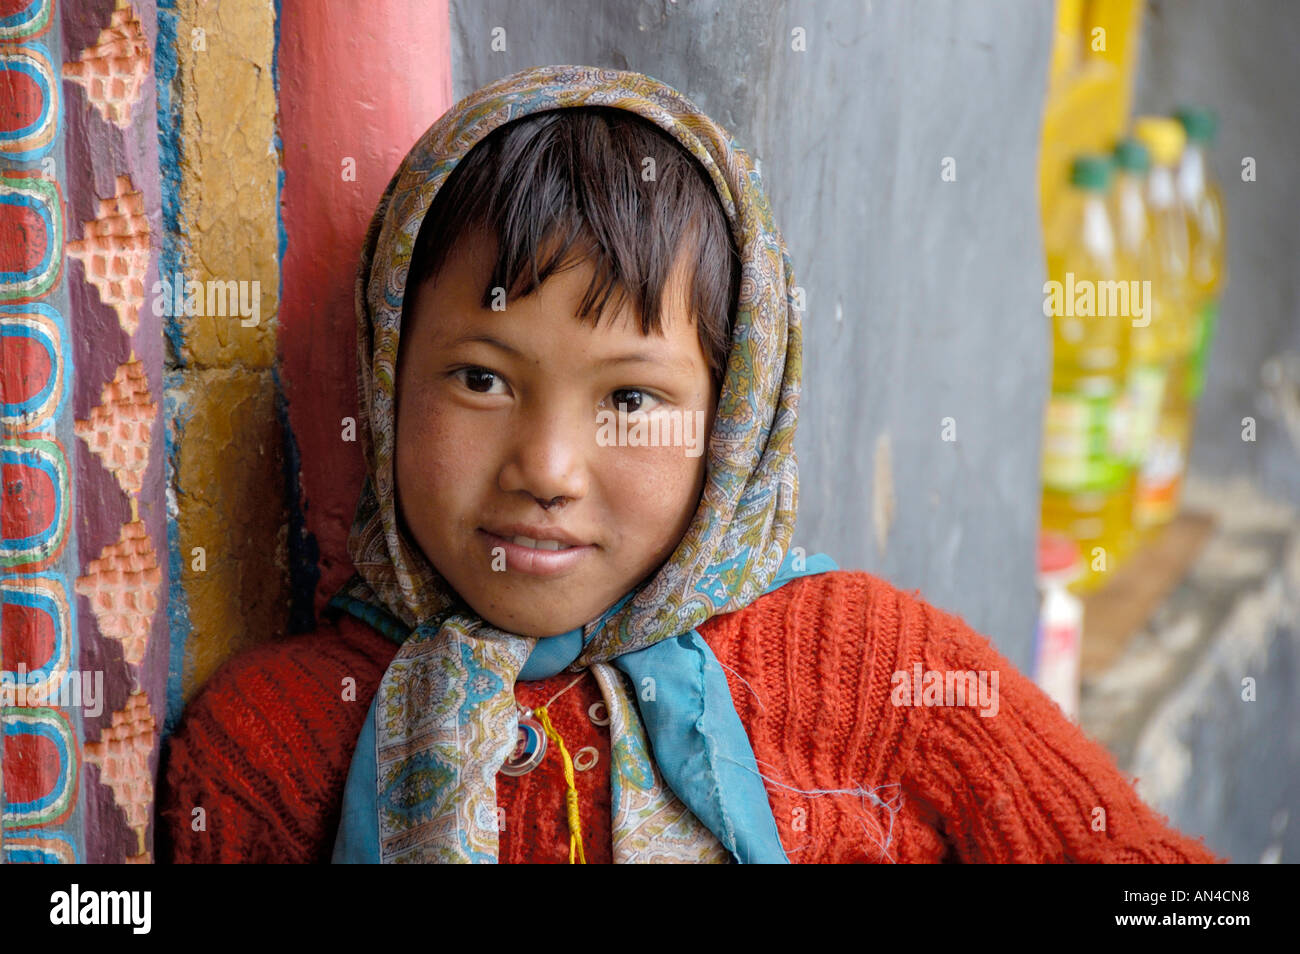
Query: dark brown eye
[628, 404]
[478, 380]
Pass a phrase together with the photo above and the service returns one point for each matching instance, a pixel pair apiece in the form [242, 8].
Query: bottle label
[1083, 443]
[1158, 481]
[1146, 391]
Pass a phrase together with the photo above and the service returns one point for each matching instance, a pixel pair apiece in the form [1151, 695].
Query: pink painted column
[356, 90]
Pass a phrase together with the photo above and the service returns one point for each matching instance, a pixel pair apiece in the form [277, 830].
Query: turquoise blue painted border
[170, 262]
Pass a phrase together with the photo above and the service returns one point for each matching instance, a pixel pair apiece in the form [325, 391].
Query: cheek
[656, 490]
[430, 459]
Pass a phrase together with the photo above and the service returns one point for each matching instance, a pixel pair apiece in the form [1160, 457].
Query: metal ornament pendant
[530, 748]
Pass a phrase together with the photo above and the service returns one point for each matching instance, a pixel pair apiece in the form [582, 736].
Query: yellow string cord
[571, 796]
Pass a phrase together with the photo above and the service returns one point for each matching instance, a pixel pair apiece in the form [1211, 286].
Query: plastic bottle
[1088, 479]
[1203, 201]
[1171, 336]
[1148, 363]
[1067, 41]
[1058, 638]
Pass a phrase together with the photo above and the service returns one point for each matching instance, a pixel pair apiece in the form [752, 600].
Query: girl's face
[508, 426]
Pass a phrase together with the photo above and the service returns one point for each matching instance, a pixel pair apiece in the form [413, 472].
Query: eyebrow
[631, 357]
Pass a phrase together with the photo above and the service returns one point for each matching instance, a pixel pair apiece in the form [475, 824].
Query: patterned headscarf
[444, 719]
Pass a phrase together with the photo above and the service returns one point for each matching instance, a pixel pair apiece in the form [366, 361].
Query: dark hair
[572, 179]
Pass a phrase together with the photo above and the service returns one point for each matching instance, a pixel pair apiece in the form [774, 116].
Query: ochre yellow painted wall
[229, 482]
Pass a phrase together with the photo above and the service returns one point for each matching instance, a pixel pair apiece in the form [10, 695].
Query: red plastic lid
[1057, 553]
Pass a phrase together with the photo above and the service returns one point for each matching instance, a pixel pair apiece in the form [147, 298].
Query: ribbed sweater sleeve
[264, 748]
[808, 666]
[1021, 783]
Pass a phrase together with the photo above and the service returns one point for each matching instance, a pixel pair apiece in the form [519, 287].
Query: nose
[547, 459]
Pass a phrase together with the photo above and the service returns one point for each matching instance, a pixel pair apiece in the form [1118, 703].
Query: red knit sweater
[266, 746]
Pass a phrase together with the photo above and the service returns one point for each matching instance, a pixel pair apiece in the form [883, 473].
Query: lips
[535, 557]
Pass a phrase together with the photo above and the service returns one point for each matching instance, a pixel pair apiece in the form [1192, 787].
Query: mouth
[538, 544]
[539, 538]
[547, 553]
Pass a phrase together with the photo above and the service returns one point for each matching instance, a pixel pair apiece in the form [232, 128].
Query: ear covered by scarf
[685, 784]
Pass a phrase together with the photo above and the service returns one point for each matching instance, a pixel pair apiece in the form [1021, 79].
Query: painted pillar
[84, 634]
[41, 756]
[356, 91]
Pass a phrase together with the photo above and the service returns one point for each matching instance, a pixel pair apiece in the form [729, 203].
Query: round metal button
[586, 758]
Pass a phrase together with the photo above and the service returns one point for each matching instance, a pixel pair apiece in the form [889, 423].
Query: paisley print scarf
[685, 784]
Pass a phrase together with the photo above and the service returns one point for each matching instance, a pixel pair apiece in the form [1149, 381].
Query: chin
[533, 626]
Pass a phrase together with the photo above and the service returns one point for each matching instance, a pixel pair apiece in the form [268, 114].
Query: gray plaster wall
[1240, 59]
[924, 295]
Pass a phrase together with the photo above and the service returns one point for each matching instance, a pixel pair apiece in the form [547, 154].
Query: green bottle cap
[1132, 156]
[1090, 172]
[1201, 124]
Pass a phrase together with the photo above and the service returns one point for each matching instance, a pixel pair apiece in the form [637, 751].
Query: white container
[1058, 638]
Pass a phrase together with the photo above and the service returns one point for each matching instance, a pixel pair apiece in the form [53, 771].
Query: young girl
[578, 629]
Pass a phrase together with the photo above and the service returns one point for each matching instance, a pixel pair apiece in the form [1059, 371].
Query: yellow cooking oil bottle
[1206, 227]
[1148, 358]
[1088, 476]
[1169, 338]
